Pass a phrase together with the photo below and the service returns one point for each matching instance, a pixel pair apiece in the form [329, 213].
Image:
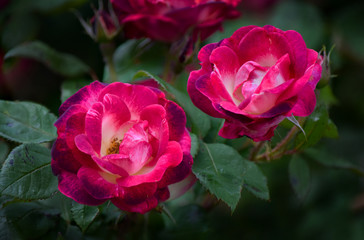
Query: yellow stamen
[114, 146]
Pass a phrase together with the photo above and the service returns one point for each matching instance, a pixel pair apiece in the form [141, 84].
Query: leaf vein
[26, 175]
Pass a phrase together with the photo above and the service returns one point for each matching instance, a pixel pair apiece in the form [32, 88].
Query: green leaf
[30, 219]
[220, 169]
[194, 145]
[331, 130]
[83, 215]
[66, 206]
[314, 128]
[4, 151]
[27, 226]
[6, 232]
[327, 96]
[299, 176]
[70, 87]
[135, 55]
[62, 63]
[27, 173]
[26, 122]
[255, 181]
[329, 160]
[201, 122]
[212, 135]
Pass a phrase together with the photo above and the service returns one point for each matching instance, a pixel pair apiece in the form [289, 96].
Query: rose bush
[255, 79]
[124, 143]
[169, 20]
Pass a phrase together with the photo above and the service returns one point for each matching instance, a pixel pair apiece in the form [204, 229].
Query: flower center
[114, 146]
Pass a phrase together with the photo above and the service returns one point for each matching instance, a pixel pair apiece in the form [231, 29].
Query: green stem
[168, 214]
[107, 51]
[279, 150]
[256, 150]
[168, 73]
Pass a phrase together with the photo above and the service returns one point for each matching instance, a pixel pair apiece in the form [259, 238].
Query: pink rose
[255, 79]
[124, 143]
[169, 20]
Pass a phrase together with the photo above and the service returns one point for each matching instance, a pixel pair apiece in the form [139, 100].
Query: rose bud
[103, 26]
[124, 143]
[255, 79]
[169, 20]
[326, 68]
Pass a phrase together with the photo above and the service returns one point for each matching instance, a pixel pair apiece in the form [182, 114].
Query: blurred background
[334, 206]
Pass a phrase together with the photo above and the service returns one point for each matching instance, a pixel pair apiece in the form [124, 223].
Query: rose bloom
[255, 79]
[124, 143]
[169, 20]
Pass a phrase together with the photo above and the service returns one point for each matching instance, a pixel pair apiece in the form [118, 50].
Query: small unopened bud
[103, 26]
[326, 70]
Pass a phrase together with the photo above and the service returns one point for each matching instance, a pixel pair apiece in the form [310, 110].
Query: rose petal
[63, 158]
[200, 100]
[115, 122]
[154, 115]
[306, 102]
[260, 103]
[298, 53]
[136, 97]
[178, 189]
[185, 142]
[171, 158]
[204, 57]
[83, 144]
[162, 194]
[138, 194]
[213, 88]
[71, 186]
[75, 126]
[86, 97]
[258, 130]
[226, 64]
[297, 85]
[96, 185]
[276, 75]
[142, 208]
[176, 118]
[116, 109]
[234, 40]
[177, 174]
[140, 25]
[248, 71]
[60, 124]
[272, 46]
[93, 125]
[135, 158]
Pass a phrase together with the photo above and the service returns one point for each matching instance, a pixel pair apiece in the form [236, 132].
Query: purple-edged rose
[255, 79]
[169, 20]
[124, 143]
